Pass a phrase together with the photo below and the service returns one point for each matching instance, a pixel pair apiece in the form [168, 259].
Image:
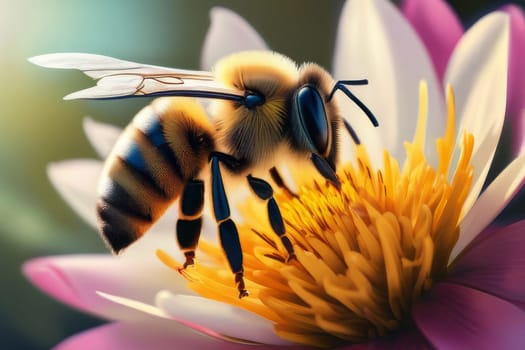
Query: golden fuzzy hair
[184, 119]
[252, 134]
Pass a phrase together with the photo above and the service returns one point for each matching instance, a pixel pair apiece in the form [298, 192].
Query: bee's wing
[118, 78]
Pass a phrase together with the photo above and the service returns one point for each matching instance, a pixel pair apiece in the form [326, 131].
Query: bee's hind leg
[228, 234]
[189, 223]
[264, 191]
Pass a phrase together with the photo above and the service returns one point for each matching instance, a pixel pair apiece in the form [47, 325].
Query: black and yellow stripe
[166, 146]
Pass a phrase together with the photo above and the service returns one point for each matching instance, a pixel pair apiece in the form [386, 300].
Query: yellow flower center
[365, 252]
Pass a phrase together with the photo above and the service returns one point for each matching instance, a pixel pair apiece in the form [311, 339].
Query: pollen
[364, 253]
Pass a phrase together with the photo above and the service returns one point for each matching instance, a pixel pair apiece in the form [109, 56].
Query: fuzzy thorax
[253, 134]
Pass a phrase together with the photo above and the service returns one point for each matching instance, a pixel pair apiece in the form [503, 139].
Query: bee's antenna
[341, 85]
[352, 132]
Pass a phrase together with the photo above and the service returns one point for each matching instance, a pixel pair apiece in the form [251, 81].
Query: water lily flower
[440, 29]
[401, 257]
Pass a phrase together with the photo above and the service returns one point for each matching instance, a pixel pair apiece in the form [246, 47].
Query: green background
[37, 127]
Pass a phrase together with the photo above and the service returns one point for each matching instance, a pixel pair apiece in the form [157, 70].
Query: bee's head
[315, 117]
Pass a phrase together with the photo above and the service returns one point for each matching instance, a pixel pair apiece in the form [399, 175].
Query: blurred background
[37, 127]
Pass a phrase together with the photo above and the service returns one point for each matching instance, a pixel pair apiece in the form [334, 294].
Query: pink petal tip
[438, 27]
[50, 280]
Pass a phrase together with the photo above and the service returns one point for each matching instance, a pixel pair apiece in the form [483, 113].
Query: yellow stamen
[365, 253]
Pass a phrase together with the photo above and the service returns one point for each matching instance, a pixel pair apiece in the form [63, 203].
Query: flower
[409, 226]
[440, 29]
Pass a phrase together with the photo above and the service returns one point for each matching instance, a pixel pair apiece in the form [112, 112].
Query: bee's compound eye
[312, 117]
[253, 99]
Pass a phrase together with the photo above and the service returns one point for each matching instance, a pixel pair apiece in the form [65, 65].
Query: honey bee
[263, 102]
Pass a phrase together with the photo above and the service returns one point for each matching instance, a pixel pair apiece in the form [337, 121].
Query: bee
[262, 102]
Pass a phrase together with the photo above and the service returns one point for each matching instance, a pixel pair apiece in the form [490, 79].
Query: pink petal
[75, 279]
[409, 339]
[516, 81]
[438, 27]
[495, 263]
[154, 334]
[519, 136]
[492, 201]
[456, 317]
[51, 281]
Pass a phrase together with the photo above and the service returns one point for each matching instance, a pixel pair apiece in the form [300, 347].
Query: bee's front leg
[325, 170]
[228, 234]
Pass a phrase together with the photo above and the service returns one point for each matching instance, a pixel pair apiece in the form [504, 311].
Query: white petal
[228, 33]
[134, 304]
[76, 181]
[375, 42]
[491, 202]
[162, 234]
[75, 279]
[478, 74]
[152, 310]
[222, 318]
[102, 136]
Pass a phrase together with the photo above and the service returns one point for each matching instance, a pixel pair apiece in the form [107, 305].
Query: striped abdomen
[166, 145]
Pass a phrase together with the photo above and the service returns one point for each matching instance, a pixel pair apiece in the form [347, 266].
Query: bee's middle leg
[264, 191]
[189, 223]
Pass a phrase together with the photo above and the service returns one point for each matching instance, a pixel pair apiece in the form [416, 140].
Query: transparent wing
[119, 78]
